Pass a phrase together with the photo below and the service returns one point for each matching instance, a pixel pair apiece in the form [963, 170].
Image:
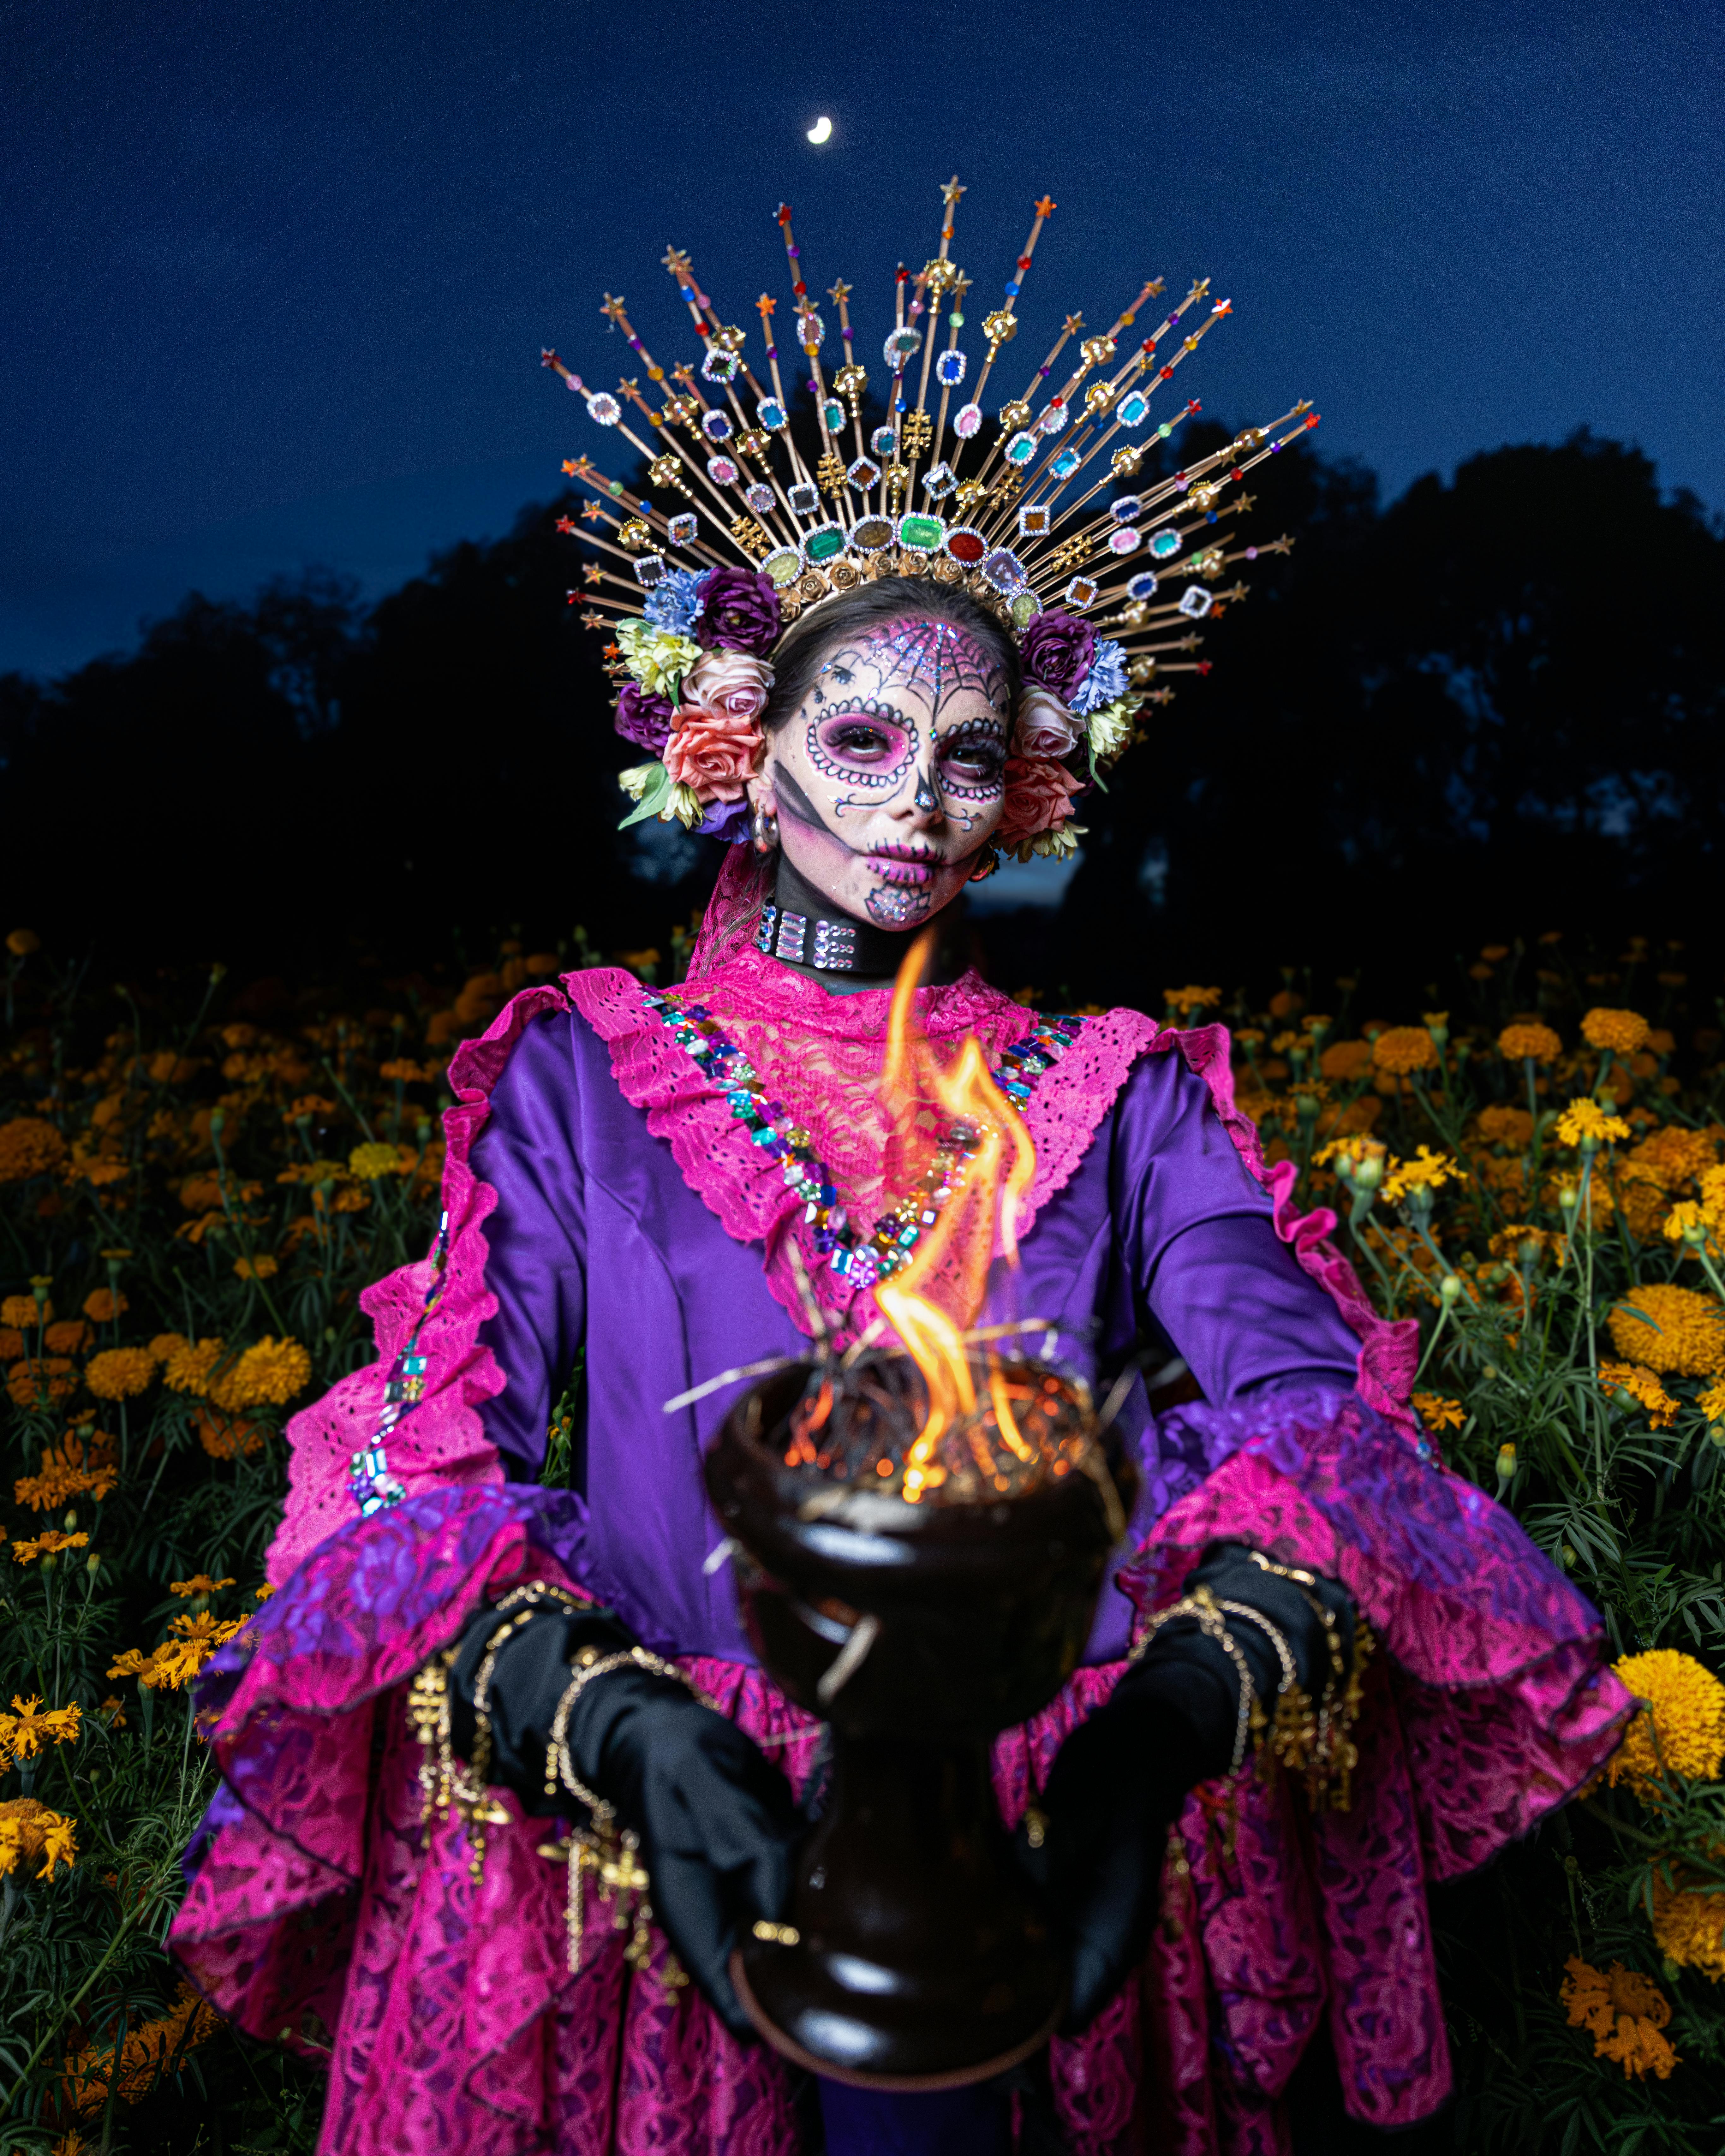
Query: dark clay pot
[922, 1960]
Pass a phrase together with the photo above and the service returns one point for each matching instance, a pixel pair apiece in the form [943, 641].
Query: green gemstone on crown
[922, 533]
[823, 545]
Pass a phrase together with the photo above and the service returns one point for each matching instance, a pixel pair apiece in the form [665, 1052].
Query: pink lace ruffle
[442, 1443]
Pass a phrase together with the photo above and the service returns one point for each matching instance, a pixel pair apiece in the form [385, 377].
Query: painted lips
[903, 864]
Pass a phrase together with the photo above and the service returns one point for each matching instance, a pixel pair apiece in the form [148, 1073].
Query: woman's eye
[862, 744]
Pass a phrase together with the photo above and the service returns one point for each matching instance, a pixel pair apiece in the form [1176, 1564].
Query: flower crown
[753, 537]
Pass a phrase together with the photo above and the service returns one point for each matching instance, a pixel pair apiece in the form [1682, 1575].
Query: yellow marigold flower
[271, 1372]
[28, 1146]
[1625, 2013]
[200, 1583]
[119, 1373]
[1622, 1032]
[1712, 1402]
[258, 1268]
[1641, 1383]
[102, 1306]
[165, 1344]
[1191, 998]
[1671, 1329]
[24, 1312]
[29, 1830]
[1426, 1171]
[371, 1162]
[50, 1544]
[25, 1732]
[1437, 1413]
[188, 1369]
[1681, 1727]
[1686, 1223]
[1585, 1119]
[1689, 1923]
[21, 942]
[1529, 1044]
[1402, 1049]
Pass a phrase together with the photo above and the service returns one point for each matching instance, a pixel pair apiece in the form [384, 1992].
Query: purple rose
[739, 612]
[1055, 650]
[643, 718]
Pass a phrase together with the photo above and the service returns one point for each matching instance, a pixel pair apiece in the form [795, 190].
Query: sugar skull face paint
[889, 778]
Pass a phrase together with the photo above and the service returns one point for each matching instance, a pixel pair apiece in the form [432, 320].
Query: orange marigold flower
[101, 1306]
[24, 1312]
[29, 1147]
[1437, 1413]
[1622, 1031]
[1625, 2013]
[1506, 1125]
[21, 942]
[1671, 1157]
[1192, 998]
[119, 1373]
[1529, 1044]
[223, 1436]
[1640, 1384]
[1680, 1729]
[142, 2055]
[1403, 1049]
[165, 1344]
[29, 1830]
[40, 1379]
[1674, 1330]
[1712, 1402]
[200, 1583]
[188, 1369]
[12, 1343]
[1689, 1921]
[66, 1337]
[258, 1268]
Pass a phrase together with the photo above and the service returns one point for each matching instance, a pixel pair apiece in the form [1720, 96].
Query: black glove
[717, 1824]
[1122, 1778]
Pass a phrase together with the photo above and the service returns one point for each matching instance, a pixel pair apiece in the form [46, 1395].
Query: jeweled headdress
[740, 535]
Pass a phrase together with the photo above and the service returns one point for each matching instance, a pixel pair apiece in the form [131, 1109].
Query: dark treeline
[1493, 707]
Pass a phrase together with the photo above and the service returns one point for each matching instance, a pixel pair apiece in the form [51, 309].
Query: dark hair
[797, 660]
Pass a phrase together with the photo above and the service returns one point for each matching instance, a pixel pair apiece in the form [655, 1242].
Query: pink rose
[1039, 796]
[711, 751]
[735, 682]
[1046, 730]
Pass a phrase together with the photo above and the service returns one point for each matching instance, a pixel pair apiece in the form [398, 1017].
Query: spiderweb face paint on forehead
[933, 660]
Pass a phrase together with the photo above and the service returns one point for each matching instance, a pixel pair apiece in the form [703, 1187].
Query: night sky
[276, 278]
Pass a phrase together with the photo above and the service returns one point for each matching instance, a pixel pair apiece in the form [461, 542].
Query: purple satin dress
[604, 1203]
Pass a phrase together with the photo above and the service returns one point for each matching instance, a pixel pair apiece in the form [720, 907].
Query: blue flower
[675, 602]
[1105, 682]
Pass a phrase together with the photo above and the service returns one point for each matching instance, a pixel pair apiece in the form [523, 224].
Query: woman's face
[889, 778]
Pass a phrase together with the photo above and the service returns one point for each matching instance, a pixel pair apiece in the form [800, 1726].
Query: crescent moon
[822, 129]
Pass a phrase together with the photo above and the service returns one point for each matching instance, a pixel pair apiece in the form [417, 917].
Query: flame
[985, 1203]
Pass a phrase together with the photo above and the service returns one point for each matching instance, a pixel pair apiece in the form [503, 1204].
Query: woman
[643, 1192]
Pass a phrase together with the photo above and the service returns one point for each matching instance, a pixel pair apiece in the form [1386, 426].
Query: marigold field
[195, 1185]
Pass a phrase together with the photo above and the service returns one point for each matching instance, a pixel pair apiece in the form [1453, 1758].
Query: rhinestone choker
[801, 939]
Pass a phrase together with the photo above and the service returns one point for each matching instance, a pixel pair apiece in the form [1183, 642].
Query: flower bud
[1450, 1288]
[1368, 1172]
[1306, 1107]
[1566, 1557]
[1506, 1464]
[50, 1559]
[71, 1518]
[93, 1564]
[217, 1122]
